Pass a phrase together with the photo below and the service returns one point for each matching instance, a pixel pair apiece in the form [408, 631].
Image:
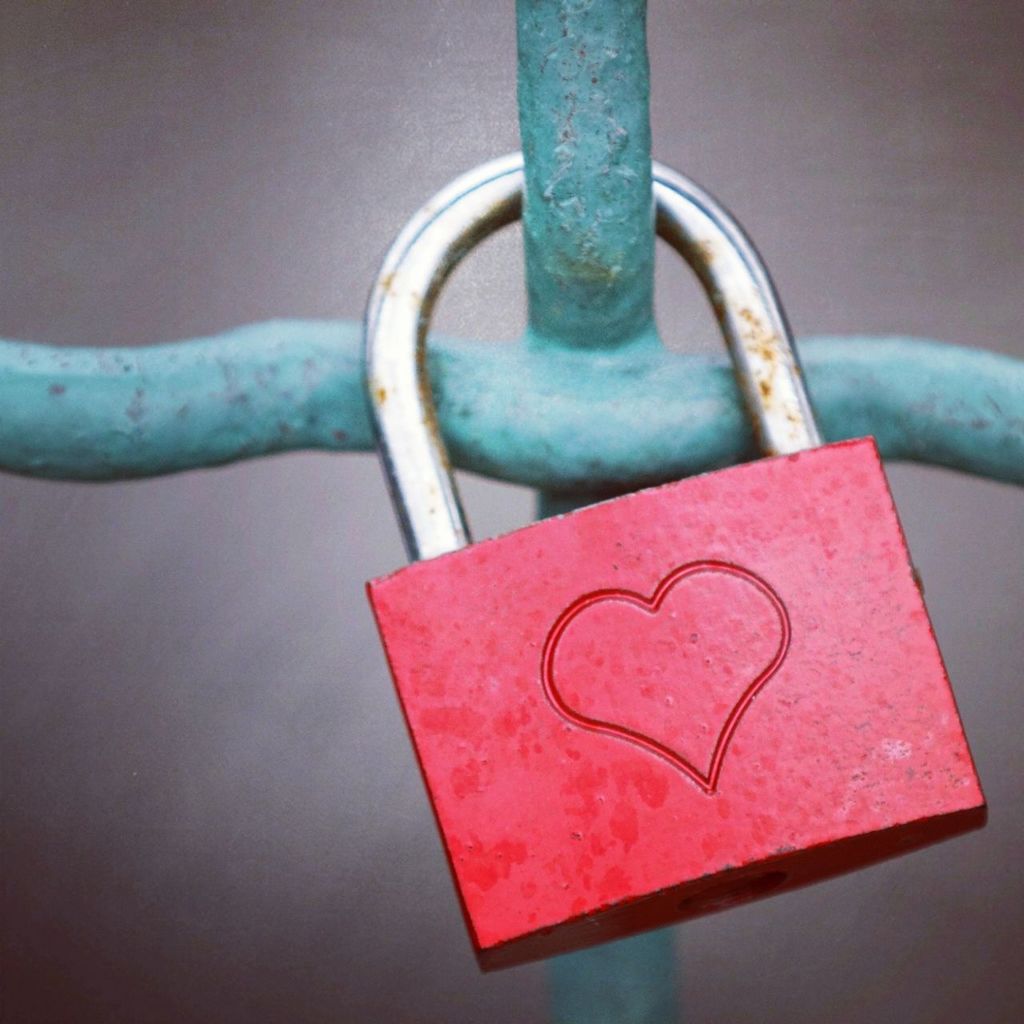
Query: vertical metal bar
[588, 229]
[585, 127]
[627, 982]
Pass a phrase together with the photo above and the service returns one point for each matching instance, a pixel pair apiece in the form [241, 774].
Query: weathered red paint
[678, 700]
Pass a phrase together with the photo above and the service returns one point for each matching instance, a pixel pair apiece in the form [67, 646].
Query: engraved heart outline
[651, 605]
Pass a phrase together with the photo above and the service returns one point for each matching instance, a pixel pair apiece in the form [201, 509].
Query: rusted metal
[415, 459]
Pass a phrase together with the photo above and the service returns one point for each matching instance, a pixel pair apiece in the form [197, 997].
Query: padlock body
[675, 701]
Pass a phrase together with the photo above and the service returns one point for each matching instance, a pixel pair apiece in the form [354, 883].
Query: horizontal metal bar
[566, 420]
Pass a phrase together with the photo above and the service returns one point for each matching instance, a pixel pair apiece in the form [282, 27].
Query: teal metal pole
[567, 421]
[588, 230]
[632, 981]
[588, 224]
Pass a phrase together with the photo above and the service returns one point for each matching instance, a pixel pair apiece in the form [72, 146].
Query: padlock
[676, 700]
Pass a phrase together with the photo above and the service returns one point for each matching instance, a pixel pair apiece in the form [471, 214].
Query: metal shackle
[472, 207]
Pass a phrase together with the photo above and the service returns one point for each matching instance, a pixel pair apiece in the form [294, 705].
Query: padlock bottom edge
[727, 889]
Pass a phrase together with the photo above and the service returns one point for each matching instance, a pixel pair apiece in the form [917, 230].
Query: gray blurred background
[210, 809]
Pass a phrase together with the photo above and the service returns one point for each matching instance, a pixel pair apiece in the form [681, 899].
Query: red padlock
[677, 700]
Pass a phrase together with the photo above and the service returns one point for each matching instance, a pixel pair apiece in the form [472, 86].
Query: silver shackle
[473, 206]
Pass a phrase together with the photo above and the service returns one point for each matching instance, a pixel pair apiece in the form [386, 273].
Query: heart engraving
[672, 673]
